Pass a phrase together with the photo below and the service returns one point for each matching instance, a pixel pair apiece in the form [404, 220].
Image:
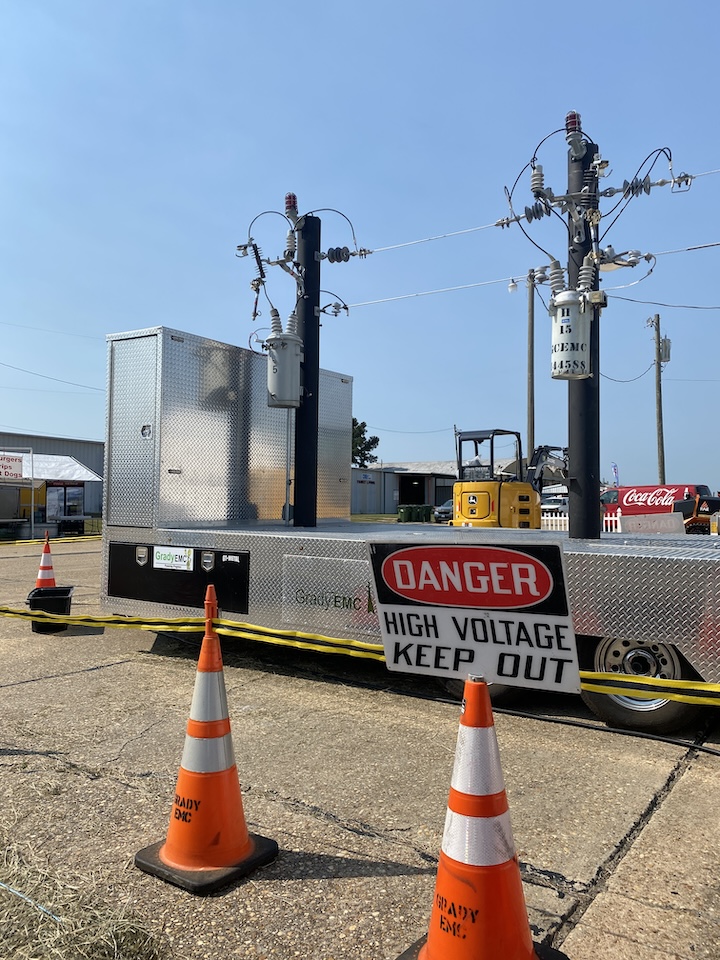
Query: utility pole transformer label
[449, 610]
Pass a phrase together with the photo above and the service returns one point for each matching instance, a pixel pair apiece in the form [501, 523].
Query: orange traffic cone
[46, 576]
[208, 844]
[479, 908]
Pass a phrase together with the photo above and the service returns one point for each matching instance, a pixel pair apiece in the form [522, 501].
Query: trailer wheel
[639, 658]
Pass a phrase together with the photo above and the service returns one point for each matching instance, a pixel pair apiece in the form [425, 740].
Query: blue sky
[141, 138]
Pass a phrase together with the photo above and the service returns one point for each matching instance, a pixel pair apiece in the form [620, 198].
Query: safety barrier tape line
[320, 644]
[234, 625]
[642, 688]
[246, 631]
[159, 625]
[652, 688]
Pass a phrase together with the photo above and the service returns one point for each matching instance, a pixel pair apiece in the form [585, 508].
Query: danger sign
[496, 611]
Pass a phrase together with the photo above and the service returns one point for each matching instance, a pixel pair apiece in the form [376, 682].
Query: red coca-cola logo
[657, 497]
[461, 576]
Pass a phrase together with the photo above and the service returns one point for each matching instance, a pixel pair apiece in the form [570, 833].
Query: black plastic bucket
[50, 600]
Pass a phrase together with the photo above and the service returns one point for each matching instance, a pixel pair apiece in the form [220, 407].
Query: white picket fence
[554, 521]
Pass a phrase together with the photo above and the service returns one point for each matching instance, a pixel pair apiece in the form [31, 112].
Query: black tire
[638, 658]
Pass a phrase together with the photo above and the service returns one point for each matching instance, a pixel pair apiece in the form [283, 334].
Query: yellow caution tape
[303, 641]
[641, 688]
[159, 625]
[651, 688]
[229, 628]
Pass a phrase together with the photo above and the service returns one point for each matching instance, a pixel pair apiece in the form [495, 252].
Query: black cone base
[214, 878]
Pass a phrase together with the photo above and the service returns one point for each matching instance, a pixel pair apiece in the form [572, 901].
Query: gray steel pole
[584, 395]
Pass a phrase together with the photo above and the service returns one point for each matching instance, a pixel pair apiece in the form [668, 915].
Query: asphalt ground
[347, 767]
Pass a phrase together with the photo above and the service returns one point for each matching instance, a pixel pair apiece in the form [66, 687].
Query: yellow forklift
[492, 490]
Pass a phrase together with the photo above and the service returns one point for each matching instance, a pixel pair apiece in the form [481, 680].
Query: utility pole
[575, 308]
[530, 365]
[306, 416]
[583, 394]
[654, 322]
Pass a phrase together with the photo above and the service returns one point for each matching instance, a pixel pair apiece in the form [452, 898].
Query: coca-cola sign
[651, 497]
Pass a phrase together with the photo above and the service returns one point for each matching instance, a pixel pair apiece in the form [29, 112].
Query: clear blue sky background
[141, 138]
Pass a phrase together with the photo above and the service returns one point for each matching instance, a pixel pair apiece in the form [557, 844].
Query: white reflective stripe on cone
[211, 755]
[477, 767]
[209, 700]
[478, 841]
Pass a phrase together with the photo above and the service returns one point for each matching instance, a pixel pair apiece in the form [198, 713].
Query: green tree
[362, 445]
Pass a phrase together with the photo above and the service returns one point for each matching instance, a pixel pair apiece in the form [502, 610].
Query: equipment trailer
[197, 472]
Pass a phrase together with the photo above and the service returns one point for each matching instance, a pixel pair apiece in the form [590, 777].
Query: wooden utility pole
[654, 322]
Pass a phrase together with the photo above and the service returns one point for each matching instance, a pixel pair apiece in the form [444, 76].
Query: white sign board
[500, 612]
[652, 523]
[11, 467]
[173, 558]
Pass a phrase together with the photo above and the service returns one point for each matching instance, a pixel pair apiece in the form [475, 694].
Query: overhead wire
[388, 430]
[64, 333]
[425, 293]
[659, 303]
[633, 379]
[339, 213]
[440, 236]
[625, 199]
[464, 286]
[70, 383]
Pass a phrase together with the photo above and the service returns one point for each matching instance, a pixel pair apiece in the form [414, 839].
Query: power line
[628, 381]
[440, 236]
[51, 436]
[62, 333]
[658, 303]
[699, 246]
[387, 430]
[70, 383]
[486, 283]
[58, 393]
[457, 233]
[428, 293]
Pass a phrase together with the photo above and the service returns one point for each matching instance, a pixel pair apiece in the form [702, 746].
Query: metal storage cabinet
[191, 440]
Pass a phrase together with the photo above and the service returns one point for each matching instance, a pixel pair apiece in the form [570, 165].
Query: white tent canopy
[40, 467]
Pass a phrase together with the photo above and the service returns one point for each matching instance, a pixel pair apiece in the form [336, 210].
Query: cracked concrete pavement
[348, 769]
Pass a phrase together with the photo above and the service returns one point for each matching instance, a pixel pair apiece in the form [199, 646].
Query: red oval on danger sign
[455, 576]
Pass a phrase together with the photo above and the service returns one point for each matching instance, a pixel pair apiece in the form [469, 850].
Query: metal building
[381, 488]
[89, 453]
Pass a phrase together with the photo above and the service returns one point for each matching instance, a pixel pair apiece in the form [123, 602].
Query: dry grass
[45, 917]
